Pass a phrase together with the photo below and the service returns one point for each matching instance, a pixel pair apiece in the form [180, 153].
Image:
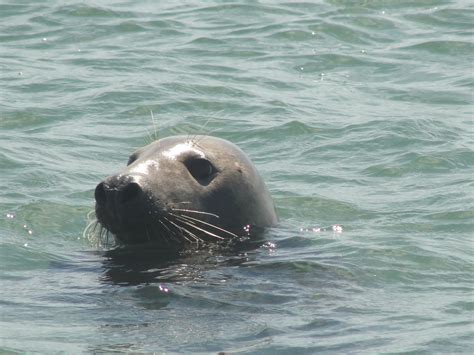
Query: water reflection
[156, 264]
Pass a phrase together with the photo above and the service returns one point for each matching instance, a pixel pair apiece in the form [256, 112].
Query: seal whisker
[171, 233]
[193, 140]
[193, 225]
[165, 236]
[196, 142]
[192, 234]
[152, 135]
[178, 223]
[90, 229]
[194, 211]
[95, 233]
[155, 130]
[172, 236]
[91, 216]
[181, 229]
[199, 229]
[189, 218]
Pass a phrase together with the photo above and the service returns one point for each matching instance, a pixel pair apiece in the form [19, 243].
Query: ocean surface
[358, 115]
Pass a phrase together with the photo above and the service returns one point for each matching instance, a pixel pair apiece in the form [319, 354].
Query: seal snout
[118, 191]
[122, 205]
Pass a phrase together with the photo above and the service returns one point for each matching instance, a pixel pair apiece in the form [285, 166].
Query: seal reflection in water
[179, 190]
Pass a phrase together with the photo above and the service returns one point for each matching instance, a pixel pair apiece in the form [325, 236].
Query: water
[356, 113]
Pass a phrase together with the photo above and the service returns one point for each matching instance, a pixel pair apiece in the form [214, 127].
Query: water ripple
[357, 114]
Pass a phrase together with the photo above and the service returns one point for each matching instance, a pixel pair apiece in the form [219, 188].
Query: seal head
[178, 190]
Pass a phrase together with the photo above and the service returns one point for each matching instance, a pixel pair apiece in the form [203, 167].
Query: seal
[180, 190]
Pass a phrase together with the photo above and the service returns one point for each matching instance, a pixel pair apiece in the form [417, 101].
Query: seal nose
[120, 190]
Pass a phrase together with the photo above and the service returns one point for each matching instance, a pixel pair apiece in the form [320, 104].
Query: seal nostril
[99, 194]
[129, 192]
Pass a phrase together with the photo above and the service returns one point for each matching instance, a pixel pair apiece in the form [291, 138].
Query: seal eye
[201, 169]
[131, 159]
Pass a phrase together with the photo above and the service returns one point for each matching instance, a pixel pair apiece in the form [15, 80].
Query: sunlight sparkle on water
[163, 288]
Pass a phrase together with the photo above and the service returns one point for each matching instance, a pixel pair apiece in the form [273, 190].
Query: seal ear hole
[201, 169]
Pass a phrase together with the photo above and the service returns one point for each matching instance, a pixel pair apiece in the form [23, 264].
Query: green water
[356, 113]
